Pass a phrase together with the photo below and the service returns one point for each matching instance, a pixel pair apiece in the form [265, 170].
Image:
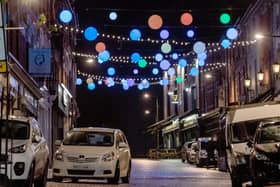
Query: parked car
[206, 152]
[193, 152]
[185, 151]
[96, 153]
[28, 153]
[265, 156]
[240, 126]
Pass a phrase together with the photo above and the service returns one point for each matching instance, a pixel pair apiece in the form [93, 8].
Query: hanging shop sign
[39, 62]
[1, 17]
[2, 45]
[64, 98]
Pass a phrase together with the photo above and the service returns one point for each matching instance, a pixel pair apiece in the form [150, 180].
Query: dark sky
[113, 107]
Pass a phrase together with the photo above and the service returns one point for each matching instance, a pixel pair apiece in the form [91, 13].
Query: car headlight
[108, 157]
[18, 149]
[261, 157]
[58, 156]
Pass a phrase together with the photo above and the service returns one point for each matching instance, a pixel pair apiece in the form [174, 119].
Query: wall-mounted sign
[1, 17]
[39, 62]
[2, 45]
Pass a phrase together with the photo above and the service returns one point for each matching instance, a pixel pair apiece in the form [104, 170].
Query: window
[14, 130]
[85, 138]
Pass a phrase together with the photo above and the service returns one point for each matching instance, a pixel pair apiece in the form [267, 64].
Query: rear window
[85, 138]
[14, 130]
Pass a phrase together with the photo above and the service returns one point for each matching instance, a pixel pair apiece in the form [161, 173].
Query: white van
[241, 123]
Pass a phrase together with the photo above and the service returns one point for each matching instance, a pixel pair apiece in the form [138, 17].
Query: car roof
[96, 129]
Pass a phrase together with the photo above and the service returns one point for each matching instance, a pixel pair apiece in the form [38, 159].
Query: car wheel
[57, 179]
[183, 160]
[198, 163]
[42, 181]
[116, 178]
[30, 179]
[127, 177]
[75, 180]
[236, 182]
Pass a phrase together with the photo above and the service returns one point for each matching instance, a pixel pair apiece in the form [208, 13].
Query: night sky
[114, 107]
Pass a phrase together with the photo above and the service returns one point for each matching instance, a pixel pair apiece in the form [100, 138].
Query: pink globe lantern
[155, 22]
[100, 46]
[186, 18]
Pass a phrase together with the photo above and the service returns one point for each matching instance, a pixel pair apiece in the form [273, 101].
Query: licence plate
[80, 167]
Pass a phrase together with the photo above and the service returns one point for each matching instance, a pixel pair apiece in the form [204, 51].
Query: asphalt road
[162, 173]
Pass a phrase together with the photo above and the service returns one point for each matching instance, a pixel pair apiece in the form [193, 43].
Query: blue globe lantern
[65, 16]
[135, 34]
[90, 33]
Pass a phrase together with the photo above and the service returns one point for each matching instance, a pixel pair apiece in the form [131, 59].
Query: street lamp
[261, 36]
[147, 96]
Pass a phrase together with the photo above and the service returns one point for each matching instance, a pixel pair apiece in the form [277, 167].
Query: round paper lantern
[182, 63]
[202, 56]
[155, 71]
[135, 71]
[125, 87]
[145, 83]
[164, 34]
[65, 16]
[186, 18]
[199, 47]
[90, 33]
[135, 57]
[104, 56]
[135, 34]
[232, 33]
[225, 18]
[190, 33]
[140, 87]
[91, 86]
[142, 63]
[175, 56]
[111, 71]
[179, 79]
[155, 22]
[164, 64]
[166, 48]
[225, 43]
[159, 57]
[79, 81]
[100, 46]
[113, 16]
[171, 71]
[130, 82]
[164, 82]
[201, 62]
[194, 71]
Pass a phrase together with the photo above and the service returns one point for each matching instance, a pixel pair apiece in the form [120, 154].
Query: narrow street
[162, 173]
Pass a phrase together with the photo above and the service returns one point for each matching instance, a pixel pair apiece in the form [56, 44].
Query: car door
[124, 153]
[39, 147]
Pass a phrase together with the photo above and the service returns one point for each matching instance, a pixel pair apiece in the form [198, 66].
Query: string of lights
[121, 38]
[126, 59]
[214, 67]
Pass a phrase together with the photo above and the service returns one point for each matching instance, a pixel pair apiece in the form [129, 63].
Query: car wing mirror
[123, 145]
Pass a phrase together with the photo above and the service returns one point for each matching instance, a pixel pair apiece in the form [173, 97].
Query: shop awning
[160, 124]
[209, 123]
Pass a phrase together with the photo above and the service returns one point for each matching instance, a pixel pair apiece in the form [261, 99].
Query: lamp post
[147, 96]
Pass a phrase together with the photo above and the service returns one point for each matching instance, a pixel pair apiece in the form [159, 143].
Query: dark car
[265, 157]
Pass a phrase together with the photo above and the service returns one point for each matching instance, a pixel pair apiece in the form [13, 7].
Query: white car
[96, 153]
[26, 154]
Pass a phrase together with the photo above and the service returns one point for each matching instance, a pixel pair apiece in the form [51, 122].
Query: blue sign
[39, 62]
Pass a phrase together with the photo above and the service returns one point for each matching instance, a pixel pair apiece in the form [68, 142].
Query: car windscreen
[244, 131]
[14, 130]
[87, 138]
[270, 134]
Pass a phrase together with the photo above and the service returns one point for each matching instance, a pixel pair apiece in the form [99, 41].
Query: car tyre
[116, 178]
[183, 160]
[236, 182]
[42, 181]
[127, 177]
[57, 179]
[30, 179]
